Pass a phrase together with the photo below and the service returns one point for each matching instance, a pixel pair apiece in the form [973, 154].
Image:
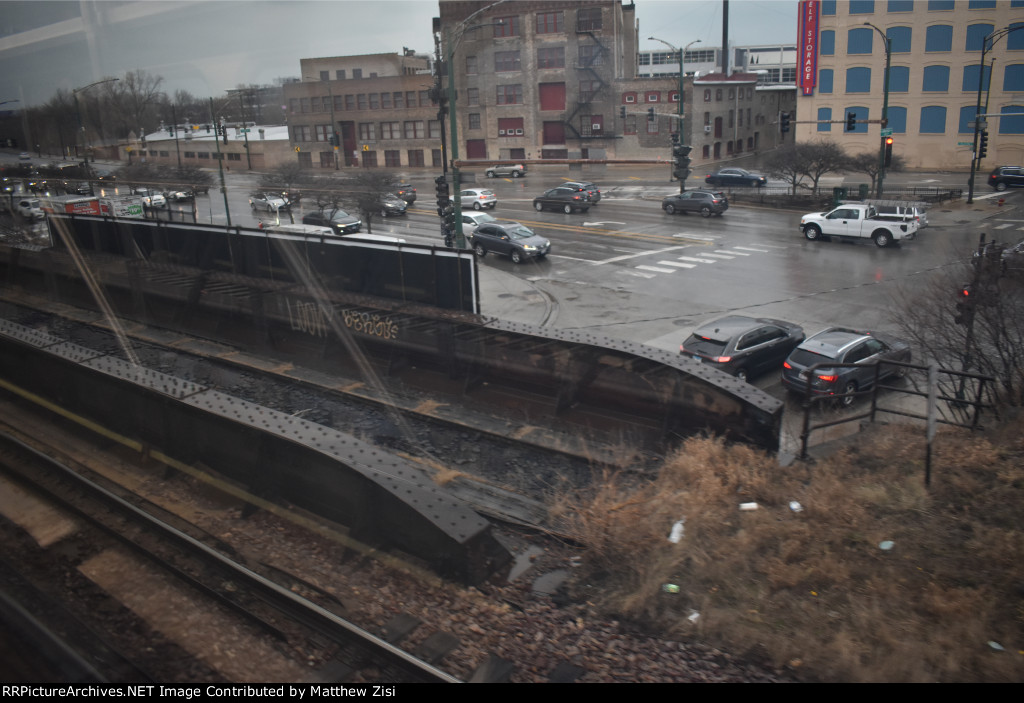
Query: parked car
[562, 198]
[392, 205]
[516, 171]
[735, 177]
[705, 202]
[510, 239]
[475, 219]
[743, 346]
[591, 189]
[1005, 177]
[25, 156]
[151, 198]
[477, 198]
[843, 345]
[340, 221]
[178, 195]
[405, 191]
[268, 202]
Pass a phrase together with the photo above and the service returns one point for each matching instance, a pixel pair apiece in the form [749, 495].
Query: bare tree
[133, 100]
[369, 186]
[867, 163]
[810, 161]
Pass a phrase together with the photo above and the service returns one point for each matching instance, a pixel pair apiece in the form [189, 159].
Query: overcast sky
[208, 46]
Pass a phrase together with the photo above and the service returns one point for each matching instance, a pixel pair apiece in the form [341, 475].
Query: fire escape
[586, 71]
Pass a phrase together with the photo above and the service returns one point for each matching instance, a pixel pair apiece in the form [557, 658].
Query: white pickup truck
[856, 221]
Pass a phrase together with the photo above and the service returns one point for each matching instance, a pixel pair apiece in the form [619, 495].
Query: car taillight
[830, 378]
[786, 365]
[722, 359]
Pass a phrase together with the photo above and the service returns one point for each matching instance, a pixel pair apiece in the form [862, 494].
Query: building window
[861, 115]
[673, 96]
[369, 157]
[934, 5]
[629, 125]
[357, 73]
[322, 130]
[339, 74]
[858, 40]
[899, 39]
[1012, 125]
[416, 157]
[970, 81]
[304, 105]
[234, 157]
[510, 94]
[590, 55]
[361, 101]
[707, 95]
[591, 125]
[1013, 78]
[933, 120]
[898, 119]
[899, 79]
[825, 80]
[936, 79]
[506, 61]
[629, 98]
[707, 119]
[410, 98]
[392, 158]
[303, 133]
[938, 37]
[858, 80]
[374, 101]
[981, 4]
[976, 34]
[390, 130]
[201, 154]
[474, 120]
[828, 42]
[471, 67]
[718, 95]
[414, 129]
[862, 7]
[828, 7]
[434, 127]
[510, 126]
[386, 102]
[435, 158]
[1015, 39]
[967, 115]
[900, 6]
[350, 102]
[509, 27]
[588, 19]
[824, 117]
[705, 153]
[472, 96]
[190, 154]
[551, 57]
[549, 22]
[367, 130]
[652, 126]
[325, 75]
[588, 89]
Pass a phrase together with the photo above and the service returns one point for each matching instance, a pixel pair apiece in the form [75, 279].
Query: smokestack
[725, 37]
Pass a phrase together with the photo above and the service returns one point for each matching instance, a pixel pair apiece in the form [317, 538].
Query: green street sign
[887, 132]
[965, 143]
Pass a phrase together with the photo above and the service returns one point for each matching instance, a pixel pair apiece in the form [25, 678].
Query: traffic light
[681, 161]
[650, 114]
[965, 305]
[441, 190]
[170, 130]
[784, 122]
[207, 129]
[983, 146]
[622, 112]
[332, 139]
[851, 121]
[888, 151]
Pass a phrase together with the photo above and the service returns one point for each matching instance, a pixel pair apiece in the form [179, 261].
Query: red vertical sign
[808, 46]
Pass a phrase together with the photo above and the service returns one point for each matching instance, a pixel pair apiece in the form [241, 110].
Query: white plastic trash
[795, 506]
[677, 531]
[748, 506]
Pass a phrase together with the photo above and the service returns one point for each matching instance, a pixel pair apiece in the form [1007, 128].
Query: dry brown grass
[812, 589]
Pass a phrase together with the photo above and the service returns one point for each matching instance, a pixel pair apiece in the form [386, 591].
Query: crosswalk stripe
[696, 260]
[680, 264]
[732, 252]
[1002, 226]
[720, 256]
[656, 269]
[759, 251]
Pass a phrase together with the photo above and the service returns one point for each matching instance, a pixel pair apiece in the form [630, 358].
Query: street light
[78, 112]
[682, 133]
[462, 27]
[986, 44]
[885, 107]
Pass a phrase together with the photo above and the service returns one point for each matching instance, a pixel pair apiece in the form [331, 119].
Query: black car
[743, 346]
[845, 346]
[705, 202]
[1006, 177]
[735, 177]
[511, 239]
[591, 189]
[405, 191]
[563, 198]
[392, 205]
[340, 221]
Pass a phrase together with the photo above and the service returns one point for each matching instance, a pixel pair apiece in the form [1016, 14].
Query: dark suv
[705, 202]
[591, 189]
[509, 238]
[743, 346]
[1006, 177]
[845, 346]
[340, 221]
[405, 191]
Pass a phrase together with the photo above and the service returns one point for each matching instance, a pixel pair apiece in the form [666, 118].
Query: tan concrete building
[934, 79]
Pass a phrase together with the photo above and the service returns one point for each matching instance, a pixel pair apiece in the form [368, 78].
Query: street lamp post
[887, 42]
[679, 111]
[988, 43]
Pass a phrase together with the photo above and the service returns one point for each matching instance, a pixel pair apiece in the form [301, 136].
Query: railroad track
[166, 576]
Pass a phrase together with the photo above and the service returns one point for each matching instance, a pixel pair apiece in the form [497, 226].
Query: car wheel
[670, 209]
[1000, 186]
[741, 374]
[567, 209]
[705, 211]
[538, 207]
[476, 205]
[812, 232]
[517, 257]
[848, 390]
[883, 239]
[479, 249]
[516, 174]
[490, 174]
[253, 206]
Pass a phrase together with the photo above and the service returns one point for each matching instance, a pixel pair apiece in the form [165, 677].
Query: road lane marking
[633, 256]
[732, 252]
[696, 260]
[680, 264]
[656, 269]
[720, 256]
